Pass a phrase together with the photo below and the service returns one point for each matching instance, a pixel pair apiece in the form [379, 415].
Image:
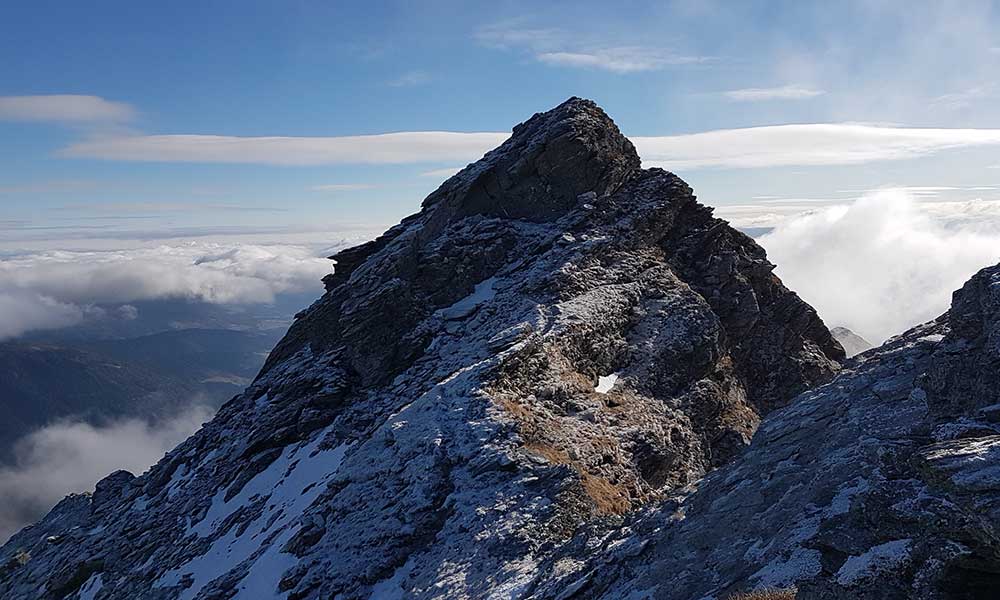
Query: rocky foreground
[544, 385]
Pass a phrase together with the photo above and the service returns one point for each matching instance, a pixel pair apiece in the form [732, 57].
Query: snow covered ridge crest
[543, 384]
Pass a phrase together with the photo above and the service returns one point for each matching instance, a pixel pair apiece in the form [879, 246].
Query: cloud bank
[70, 457]
[884, 263]
[64, 108]
[54, 289]
[23, 311]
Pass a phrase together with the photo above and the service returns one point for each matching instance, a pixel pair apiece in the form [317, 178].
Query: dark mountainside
[151, 377]
[543, 385]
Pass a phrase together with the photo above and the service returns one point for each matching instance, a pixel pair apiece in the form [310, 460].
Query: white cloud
[806, 144]
[342, 187]
[69, 457]
[442, 173]
[558, 47]
[965, 98]
[42, 187]
[54, 289]
[513, 34]
[386, 148]
[411, 78]
[786, 92]
[623, 59]
[23, 310]
[64, 108]
[768, 146]
[886, 262]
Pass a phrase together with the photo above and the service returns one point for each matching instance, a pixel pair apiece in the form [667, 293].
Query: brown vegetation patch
[549, 453]
[608, 498]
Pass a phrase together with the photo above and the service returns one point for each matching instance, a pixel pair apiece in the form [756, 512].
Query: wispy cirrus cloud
[785, 92]
[804, 145]
[619, 59]
[38, 187]
[161, 207]
[560, 48]
[64, 108]
[965, 98]
[411, 78]
[386, 148]
[445, 172]
[343, 187]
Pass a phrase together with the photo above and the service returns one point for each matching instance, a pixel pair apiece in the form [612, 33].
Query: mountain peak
[556, 339]
[551, 163]
[543, 168]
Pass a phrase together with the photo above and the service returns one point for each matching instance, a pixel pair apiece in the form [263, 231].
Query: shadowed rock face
[558, 339]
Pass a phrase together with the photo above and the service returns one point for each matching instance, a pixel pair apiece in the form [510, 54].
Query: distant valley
[151, 376]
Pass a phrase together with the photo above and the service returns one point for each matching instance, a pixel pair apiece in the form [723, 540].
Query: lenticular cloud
[881, 264]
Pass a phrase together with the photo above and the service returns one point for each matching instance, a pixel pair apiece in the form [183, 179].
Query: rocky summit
[545, 385]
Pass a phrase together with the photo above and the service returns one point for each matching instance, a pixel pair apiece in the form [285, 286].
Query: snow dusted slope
[882, 484]
[559, 338]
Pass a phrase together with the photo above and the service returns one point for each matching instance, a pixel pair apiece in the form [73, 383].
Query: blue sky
[87, 161]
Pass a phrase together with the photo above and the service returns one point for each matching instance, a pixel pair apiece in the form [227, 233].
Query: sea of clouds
[886, 261]
[71, 456]
[54, 289]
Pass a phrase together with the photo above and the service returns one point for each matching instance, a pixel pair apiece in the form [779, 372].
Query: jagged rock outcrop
[557, 340]
[882, 484]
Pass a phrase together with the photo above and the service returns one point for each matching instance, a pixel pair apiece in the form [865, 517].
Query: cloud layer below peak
[71, 456]
[885, 262]
[49, 290]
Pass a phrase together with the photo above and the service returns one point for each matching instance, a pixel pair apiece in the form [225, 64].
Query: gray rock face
[884, 483]
[485, 396]
[852, 343]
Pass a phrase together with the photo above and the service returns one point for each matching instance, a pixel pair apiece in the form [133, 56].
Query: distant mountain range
[149, 376]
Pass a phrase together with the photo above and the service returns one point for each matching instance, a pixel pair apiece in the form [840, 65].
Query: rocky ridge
[882, 484]
[519, 392]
